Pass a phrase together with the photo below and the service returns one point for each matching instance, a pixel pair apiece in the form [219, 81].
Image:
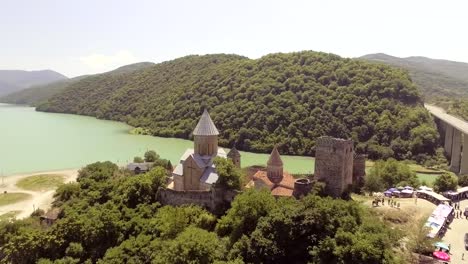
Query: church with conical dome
[195, 170]
[274, 178]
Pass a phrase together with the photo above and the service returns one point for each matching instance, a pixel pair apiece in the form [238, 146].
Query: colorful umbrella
[441, 255]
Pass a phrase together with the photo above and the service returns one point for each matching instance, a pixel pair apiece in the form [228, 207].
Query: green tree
[393, 173]
[138, 160]
[194, 245]
[151, 156]
[463, 180]
[229, 175]
[373, 182]
[244, 214]
[445, 182]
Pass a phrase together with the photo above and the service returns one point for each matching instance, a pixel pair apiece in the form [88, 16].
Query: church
[195, 170]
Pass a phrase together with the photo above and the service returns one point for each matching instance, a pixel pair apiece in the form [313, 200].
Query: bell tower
[275, 167]
[235, 156]
[205, 136]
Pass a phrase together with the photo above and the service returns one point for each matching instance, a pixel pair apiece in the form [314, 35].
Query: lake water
[33, 141]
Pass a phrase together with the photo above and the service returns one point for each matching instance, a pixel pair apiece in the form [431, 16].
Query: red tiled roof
[285, 188]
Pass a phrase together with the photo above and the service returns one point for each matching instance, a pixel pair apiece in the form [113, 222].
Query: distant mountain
[281, 99]
[39, 93]
[14, 80]
[434, 77]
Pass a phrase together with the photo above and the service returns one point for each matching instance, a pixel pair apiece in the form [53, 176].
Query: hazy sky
[88, 36]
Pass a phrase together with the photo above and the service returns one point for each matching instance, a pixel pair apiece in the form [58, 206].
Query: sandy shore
[39, 199]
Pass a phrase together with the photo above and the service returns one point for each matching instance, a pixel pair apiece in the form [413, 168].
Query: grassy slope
[11, 198]
[41, 182]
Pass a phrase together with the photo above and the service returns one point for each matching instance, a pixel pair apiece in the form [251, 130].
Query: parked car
[466, 241]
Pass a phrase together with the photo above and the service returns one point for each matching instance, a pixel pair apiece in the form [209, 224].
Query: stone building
[235, 157]
[141, 167]
[334, 164]
[279, 182]
[195, 170]
[359, 169]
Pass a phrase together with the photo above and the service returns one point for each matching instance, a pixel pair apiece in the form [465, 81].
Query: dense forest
[112, 216]
[285, 99]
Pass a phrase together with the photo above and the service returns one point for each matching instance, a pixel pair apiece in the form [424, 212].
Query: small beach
[32, 199]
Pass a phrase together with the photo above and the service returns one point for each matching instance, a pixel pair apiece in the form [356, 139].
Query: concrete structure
[455, 134]
[195, 170]
[235, 157]
[334, 164]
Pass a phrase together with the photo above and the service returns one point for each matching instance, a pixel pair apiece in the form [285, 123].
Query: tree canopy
[287, 100]
[112, 216]
[446, 182]
[390, 173]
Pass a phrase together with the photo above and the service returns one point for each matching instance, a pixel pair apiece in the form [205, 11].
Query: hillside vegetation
[110, 216]
[40, 93]
[434, 77]
[286, 99]
[15, 80]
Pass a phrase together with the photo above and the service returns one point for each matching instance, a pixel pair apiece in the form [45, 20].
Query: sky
[92, 36]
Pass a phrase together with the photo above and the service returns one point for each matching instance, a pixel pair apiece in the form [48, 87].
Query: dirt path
[39, 199]
[455, 235]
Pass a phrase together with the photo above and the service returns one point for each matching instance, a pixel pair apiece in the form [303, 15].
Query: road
[440, 113]
[455, 235]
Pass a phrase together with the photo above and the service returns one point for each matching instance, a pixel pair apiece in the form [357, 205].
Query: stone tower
[235, 157]
[359, 168]
[205, 136]
[275, 167]
[334, 164]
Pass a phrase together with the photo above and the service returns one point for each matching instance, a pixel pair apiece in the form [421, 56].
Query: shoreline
[39, 199]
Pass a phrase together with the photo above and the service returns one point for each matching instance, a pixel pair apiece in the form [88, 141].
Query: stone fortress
[193, 178]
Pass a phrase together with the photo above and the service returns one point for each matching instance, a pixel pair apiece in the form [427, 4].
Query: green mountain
[284, 99]
[40, 93]
[434, 77]
[15, 80]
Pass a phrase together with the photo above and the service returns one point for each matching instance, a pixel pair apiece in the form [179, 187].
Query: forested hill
[15, 80]
[434, 77]
[39, 93]
[286, 99]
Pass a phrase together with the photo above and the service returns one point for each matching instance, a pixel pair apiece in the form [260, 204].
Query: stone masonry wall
[172, 197]
[334, 164]
[359, 168]
[210, 200]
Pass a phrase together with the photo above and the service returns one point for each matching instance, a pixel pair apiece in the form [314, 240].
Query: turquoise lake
[33, 141]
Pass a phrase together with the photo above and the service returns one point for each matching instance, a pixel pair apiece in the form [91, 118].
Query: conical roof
[275, 158]
[233, 152]
[205, 126]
